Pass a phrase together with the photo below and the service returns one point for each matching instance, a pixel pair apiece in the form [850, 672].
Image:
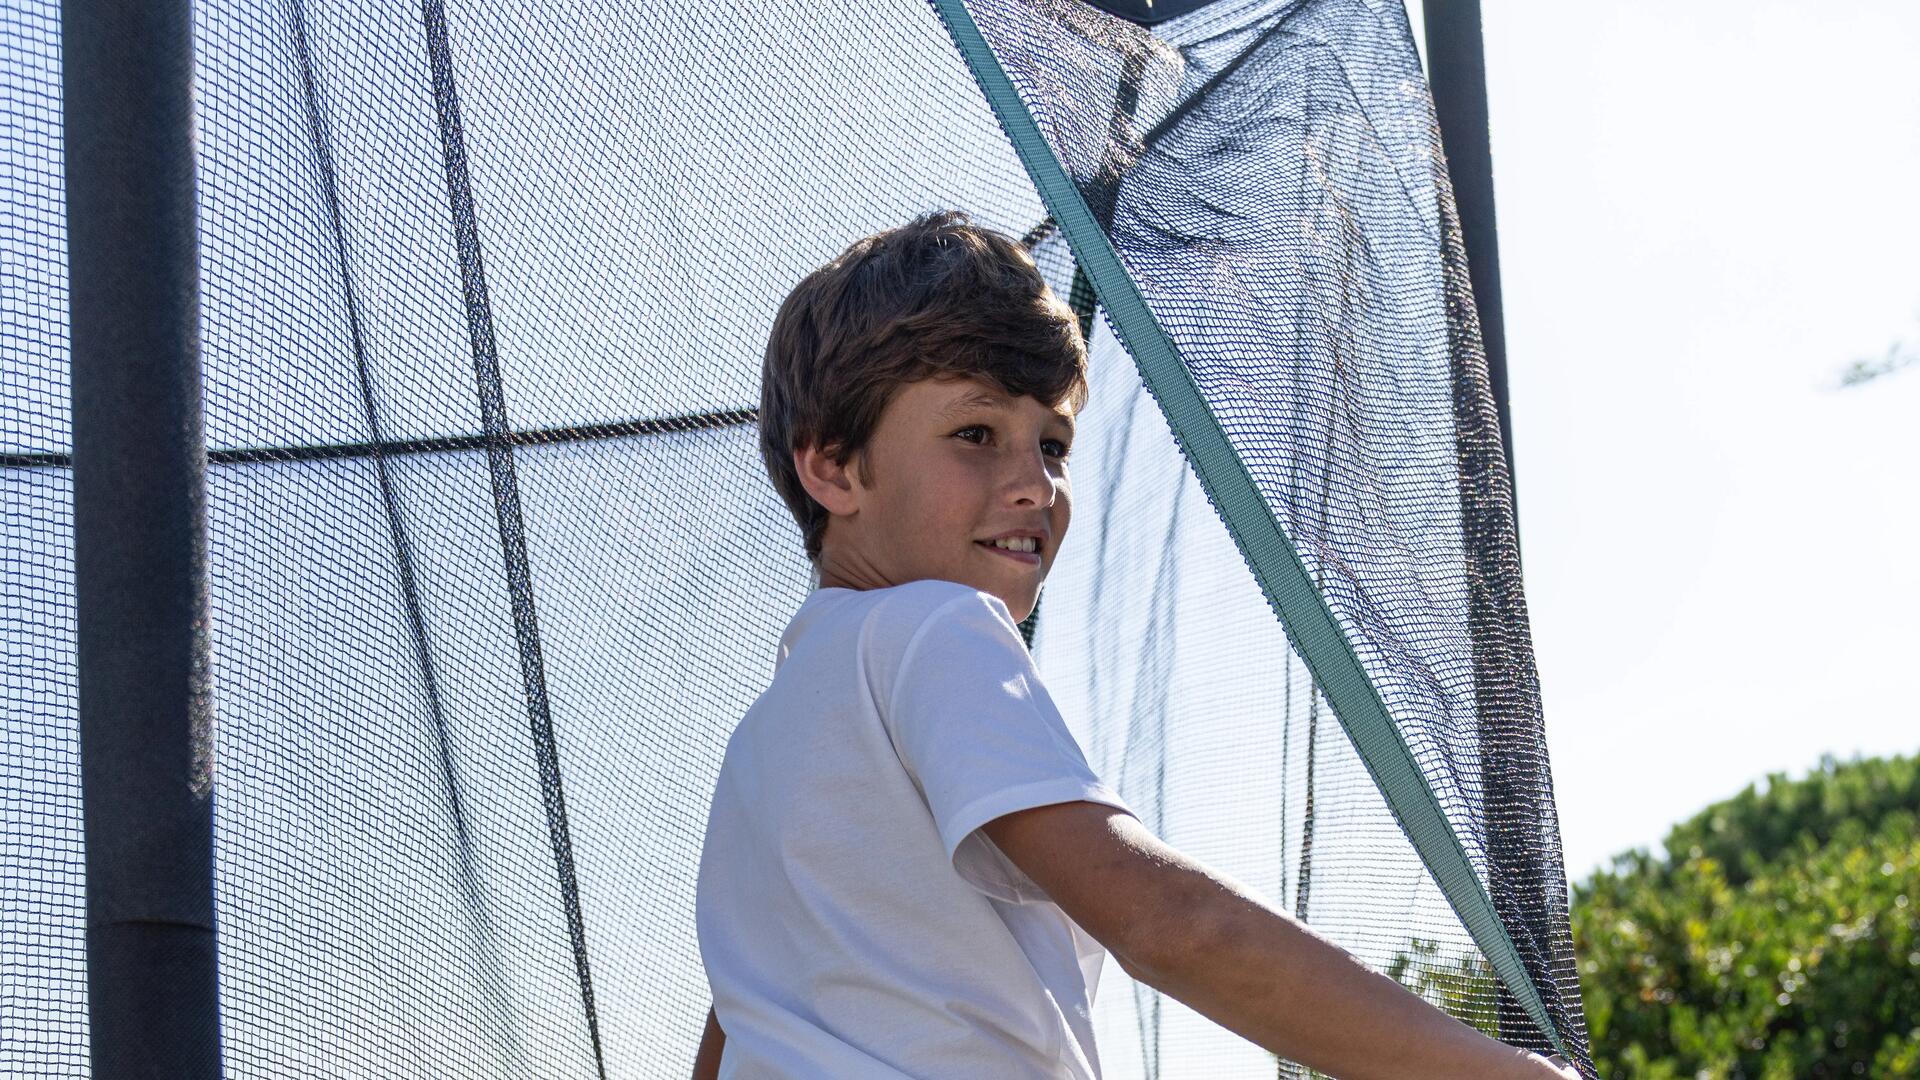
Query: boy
[909, 869]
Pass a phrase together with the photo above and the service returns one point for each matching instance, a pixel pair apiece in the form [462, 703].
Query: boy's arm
[1202, 938]
[706, 1063]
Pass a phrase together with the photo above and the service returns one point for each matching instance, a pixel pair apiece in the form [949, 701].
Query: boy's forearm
[1265, 976]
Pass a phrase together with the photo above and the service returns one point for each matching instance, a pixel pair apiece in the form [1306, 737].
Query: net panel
[43, 1001]
[495, 568]
[1241, 764]
[1296, 241]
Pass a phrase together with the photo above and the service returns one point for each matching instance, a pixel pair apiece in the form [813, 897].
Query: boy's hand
[1560, 1066]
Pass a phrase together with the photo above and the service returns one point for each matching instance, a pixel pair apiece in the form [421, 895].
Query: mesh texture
[495, 568]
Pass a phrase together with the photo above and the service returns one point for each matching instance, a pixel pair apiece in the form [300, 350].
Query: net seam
[506, 491]
[466, 860]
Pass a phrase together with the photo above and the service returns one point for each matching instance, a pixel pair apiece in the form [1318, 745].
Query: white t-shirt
[853, 921]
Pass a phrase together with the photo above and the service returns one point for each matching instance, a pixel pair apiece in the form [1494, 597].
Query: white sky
[1706, 211]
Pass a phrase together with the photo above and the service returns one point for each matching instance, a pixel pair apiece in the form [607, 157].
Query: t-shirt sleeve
[976, 730]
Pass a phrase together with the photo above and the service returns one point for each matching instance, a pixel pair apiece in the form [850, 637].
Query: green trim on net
[1262, 542]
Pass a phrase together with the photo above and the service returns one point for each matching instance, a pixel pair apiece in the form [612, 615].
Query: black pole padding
[1457, 74]
[140, 545]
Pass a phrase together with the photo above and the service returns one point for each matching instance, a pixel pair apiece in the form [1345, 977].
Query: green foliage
[1460, 985]
[1756, 829]
[1779, 938]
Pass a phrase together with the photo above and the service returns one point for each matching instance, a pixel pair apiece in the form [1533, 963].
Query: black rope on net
[1304, 885]
[467, 861]
[1034, 237]
[1192, 101]
[1039, 233]
[506, 498]
[1080, 295]
[1150, 712]
[1082, 300]
[440, 444]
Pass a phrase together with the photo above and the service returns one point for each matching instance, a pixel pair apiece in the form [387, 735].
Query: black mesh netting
[495, 568]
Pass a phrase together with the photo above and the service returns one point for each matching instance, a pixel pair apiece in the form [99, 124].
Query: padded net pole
[140, 541]
[1522, 826]
[1457, 77]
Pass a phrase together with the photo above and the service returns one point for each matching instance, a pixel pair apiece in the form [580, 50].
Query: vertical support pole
[1513, 766]
[1457, 75]
[140, 542]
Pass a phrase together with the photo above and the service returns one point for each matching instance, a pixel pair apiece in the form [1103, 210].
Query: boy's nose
[1033, 482]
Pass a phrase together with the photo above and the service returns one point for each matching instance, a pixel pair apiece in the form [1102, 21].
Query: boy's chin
[1019, 603]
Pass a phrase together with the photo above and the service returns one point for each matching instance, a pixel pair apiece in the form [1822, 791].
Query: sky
[1706, 212]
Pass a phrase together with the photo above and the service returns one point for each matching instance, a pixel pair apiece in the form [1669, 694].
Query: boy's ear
[830, 482]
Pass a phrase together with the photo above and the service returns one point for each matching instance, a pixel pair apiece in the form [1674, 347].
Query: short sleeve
[976, 730]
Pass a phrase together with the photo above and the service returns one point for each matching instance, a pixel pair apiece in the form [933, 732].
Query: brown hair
[938, 297]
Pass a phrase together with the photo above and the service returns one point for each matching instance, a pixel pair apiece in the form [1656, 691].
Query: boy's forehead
[956, 396]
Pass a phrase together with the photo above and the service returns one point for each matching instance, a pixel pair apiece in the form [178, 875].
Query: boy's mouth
[1030, 558]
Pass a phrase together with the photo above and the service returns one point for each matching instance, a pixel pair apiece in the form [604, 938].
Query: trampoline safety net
[495, 568]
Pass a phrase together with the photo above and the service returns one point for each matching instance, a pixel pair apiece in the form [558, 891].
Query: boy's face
[952, 465]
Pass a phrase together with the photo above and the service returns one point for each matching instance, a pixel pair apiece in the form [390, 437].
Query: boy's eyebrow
[994, 398]
[978, 397]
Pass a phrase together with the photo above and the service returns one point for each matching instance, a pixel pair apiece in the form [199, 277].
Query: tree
[1779, 937]
[1462, 985]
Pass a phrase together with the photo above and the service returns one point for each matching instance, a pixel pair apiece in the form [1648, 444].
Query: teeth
[1018, 543]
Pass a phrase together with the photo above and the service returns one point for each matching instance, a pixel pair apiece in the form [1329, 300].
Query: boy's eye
[1058, 449]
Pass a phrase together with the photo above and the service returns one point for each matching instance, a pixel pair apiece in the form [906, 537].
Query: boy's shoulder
[896, 622]
[915, 603]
